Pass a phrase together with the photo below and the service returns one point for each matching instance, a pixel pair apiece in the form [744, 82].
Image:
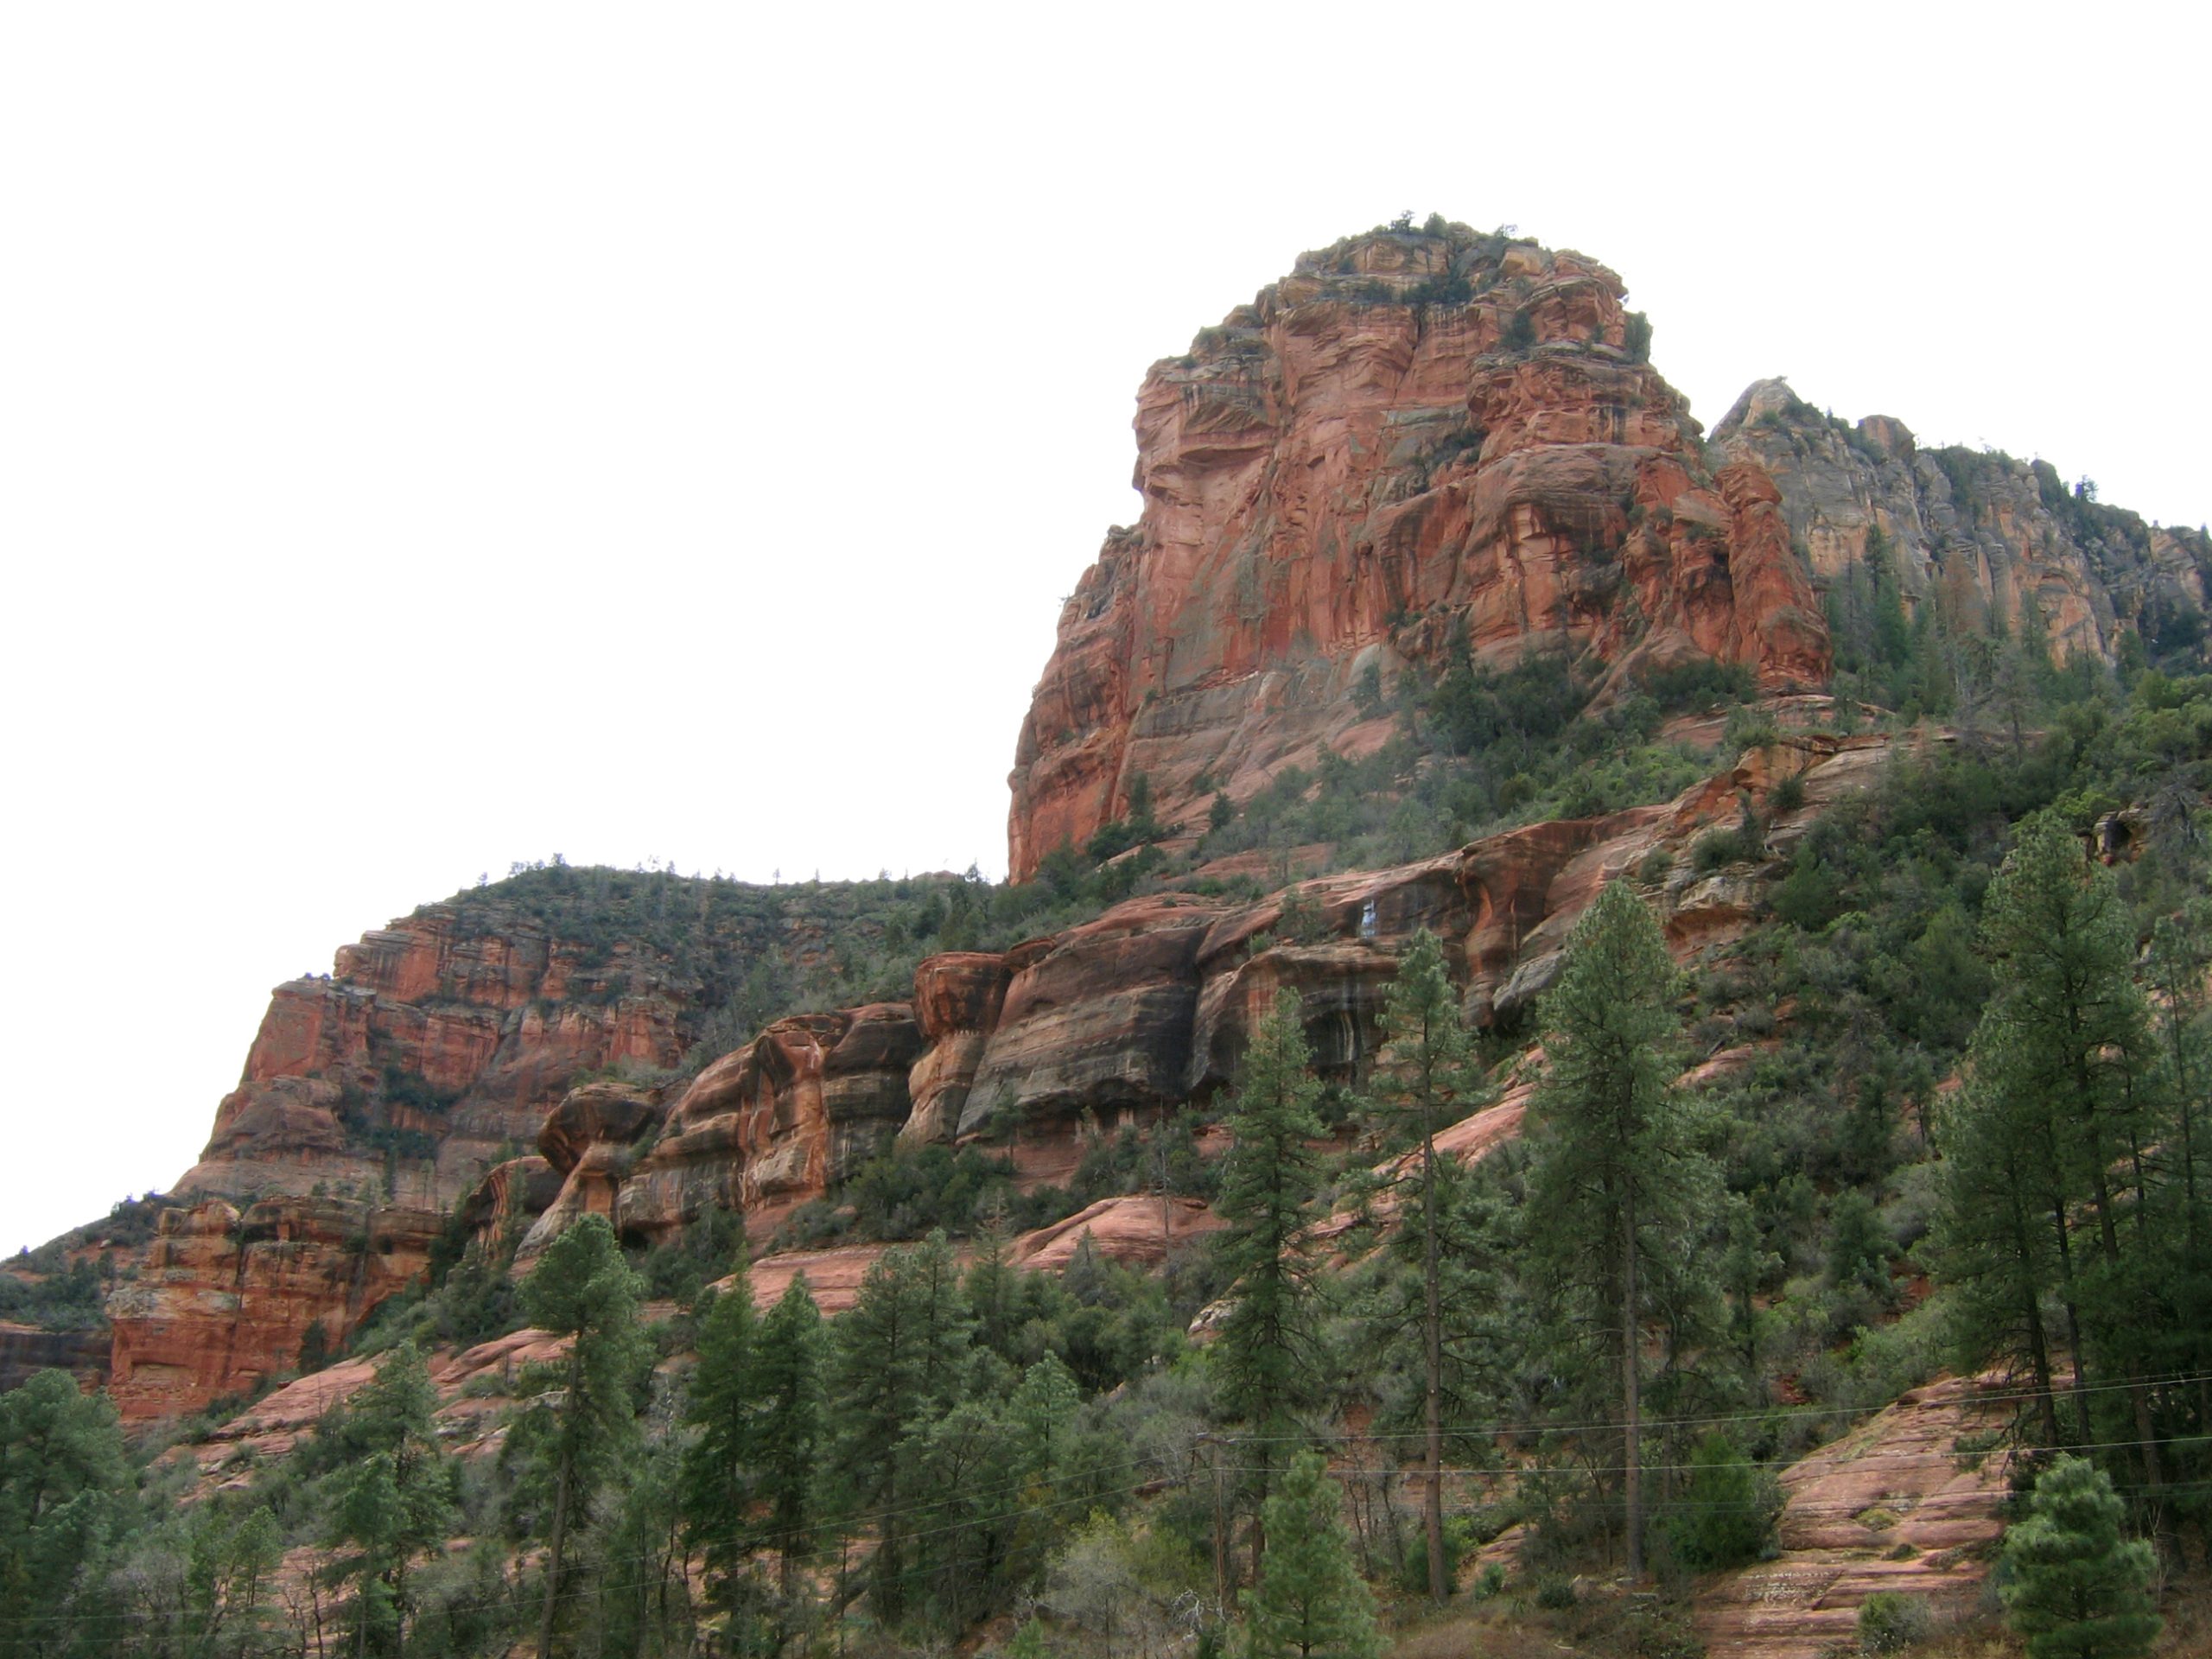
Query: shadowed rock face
[1408, 435]
[1986, 538]
[25, 1350]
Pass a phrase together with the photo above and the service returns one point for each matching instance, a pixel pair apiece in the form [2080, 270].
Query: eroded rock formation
[1410, 435]
[1992, 542]
[780, 1122]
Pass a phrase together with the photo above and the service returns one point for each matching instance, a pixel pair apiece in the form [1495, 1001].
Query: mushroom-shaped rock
[614, 1114]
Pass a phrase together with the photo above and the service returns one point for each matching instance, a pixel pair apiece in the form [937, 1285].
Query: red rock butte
[1413, 434]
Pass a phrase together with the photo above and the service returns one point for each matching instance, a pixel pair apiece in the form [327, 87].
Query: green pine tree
[1425, 1079]
[1268, 1348]
[718, 1479]
[1619, 1186]
[2063, 1054]
[584, 1418]
[901, 1354]
[784, 1384]
[63, 1490]
[2071, 1584]
[396, 1500]
[1308, 1600]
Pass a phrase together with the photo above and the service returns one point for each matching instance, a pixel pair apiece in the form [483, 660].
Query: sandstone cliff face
[1987, 539]
[433, 1046]
[224, 1299]
[1149, 1007]
[1409, 435]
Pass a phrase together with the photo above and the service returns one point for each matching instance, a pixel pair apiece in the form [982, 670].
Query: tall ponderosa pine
[2073, 1587]
[1619, 1182]
[716, 1486]
[784, 1383]
[585, 1416]
[63, 1487]
[395, 1501]
[1308, 1602]
[2061, 1091]
[1425, 1079]
[1268, 1347]
[901, 1356]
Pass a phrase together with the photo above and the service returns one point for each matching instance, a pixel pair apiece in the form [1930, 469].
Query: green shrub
[1556, 1592]
[1698, 684]
[1728, 1509]
[1890, 1622]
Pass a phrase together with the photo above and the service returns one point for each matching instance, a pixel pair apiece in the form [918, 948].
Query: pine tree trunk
[559, 1507]
[1631, 1430]
[1439, 1585]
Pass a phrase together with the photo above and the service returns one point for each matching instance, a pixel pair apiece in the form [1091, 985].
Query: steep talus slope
[1412, 436]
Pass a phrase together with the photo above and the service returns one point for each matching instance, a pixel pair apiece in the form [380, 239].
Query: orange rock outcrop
[225, 1300]
[1411, 435]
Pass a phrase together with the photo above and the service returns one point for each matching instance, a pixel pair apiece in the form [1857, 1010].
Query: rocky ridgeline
[1416, 436]
[1142, 1012]
[1997, 545]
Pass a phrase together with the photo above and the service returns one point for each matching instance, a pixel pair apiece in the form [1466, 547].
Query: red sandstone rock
[1350, 468]
[1902, 1503]
[958, 997]
[1136, 1231]
[511, 1195]
[781, 1120]
[225, 1300]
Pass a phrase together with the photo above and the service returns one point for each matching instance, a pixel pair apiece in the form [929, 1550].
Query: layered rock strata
[1412, 437]
[1128, 1018]
[226, 1298]
[438, 1043]
[780, 1122]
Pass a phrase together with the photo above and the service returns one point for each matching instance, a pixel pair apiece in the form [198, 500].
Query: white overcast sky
[436, 435]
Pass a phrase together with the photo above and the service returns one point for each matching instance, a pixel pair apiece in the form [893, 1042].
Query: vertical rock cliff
[1415, 436]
